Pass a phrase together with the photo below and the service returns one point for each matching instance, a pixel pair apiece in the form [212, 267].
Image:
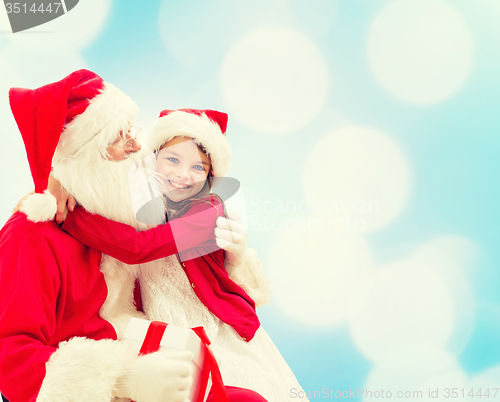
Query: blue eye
[199, 167]
[174, 160]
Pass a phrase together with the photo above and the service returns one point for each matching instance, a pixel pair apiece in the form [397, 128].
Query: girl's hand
[231, 236]
[65, 201]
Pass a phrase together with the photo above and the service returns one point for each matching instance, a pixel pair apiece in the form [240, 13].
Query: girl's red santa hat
[67, 118]
[206, 127]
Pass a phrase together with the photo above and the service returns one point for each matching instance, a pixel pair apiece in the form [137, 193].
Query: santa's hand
[231, 236]
[17, 208]
[157, 377]
[64, 200]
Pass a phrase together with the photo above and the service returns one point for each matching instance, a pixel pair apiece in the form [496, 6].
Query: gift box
[150, 336]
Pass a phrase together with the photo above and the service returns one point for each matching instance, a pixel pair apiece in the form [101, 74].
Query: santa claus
[54, 344]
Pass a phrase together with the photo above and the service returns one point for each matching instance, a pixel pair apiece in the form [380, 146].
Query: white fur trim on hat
[84, 370]
[200, 128]
[107, 114]
[40, 207]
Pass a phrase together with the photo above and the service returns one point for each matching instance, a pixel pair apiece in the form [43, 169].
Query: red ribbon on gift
[152, 343]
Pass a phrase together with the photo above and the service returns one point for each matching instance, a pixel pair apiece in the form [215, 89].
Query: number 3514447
[25, 8]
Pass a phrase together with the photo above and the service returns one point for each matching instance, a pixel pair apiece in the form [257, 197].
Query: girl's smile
[178, 186]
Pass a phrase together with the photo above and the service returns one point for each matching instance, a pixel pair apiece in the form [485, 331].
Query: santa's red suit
[51, 290]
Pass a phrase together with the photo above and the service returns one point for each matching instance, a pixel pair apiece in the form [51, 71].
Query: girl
[190, 287]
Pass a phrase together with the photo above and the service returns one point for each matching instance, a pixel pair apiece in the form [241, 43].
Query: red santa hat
[64, 117]
[206, 127]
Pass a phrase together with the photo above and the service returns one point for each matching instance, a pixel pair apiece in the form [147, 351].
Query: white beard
[102, 187]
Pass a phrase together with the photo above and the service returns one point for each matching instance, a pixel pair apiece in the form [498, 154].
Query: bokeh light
[274, 80]
[315, 271]
[361, 174]
[407, 308]
[420, 50]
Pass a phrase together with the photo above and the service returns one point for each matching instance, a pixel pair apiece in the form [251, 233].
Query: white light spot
[274, 80]
[314, 271]
[407, 311]
[420, 50]
[357, 173]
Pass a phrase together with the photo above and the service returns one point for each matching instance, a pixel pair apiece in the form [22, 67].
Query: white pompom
[40, 207]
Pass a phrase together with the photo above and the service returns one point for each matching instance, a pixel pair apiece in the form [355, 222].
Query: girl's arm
[124, 243]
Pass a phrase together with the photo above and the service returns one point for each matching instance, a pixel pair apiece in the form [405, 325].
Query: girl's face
[184, 166]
